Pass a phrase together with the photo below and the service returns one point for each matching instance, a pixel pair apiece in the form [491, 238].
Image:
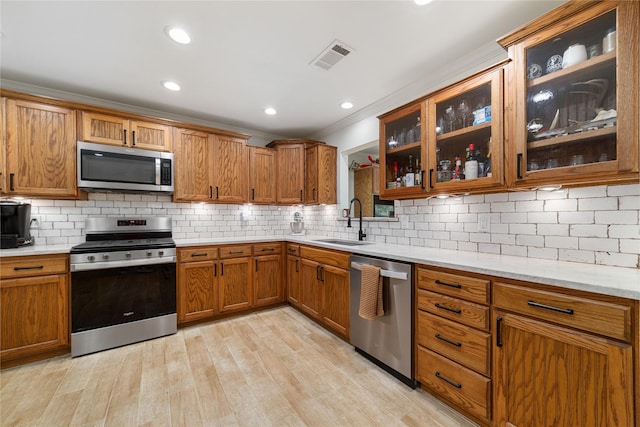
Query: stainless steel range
[123, 283]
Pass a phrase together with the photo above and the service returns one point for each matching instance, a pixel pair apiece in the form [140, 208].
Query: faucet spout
[361, 235]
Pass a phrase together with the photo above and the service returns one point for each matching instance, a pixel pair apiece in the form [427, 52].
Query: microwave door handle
[158, 163]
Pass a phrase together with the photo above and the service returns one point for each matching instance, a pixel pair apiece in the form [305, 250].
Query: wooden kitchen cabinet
[402, 140]
[262, 175]
[197, 285]
[366, 185]
[465, 114]
[230, 169]
[115, 130]
[553, 368]
[320, 174]
[453, 339]
[34, 308]
[193, 158]
[210, 168]
[236, 278]
[3, 144]
[324, 287]
[268, 274]
[574, 122]
[290, 173]
[293, 274]
[40, 150]
[335, 307]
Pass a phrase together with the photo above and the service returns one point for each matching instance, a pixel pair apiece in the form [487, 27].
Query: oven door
[113, 296]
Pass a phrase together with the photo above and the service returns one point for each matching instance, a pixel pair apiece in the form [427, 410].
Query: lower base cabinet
[214, 280]
[324, 287]
[34, 308]
[550, 374]
[293, 274]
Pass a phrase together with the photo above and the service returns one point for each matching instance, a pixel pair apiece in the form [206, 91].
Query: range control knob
[160, 253]
[105, 256]
[91, 258]
[128, 254]
[149, 253]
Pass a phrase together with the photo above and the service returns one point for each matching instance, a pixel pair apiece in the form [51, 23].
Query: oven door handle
[120, 264]
[384, 273]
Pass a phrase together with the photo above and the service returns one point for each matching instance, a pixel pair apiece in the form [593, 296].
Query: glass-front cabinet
[402, 153]
[574, 97]
[464, 135]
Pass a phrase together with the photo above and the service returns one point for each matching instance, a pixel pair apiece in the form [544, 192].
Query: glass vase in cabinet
[464, 134]
[574, 97]
[402, 153]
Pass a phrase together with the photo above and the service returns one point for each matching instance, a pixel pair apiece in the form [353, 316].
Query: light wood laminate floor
[274, 367]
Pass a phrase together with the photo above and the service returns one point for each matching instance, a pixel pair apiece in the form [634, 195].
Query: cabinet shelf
[464, 131]
[580, 136]
[404, 148]
[591, 65]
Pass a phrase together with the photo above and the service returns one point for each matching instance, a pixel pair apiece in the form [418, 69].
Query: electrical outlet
[484, 223]
[35, 222]
[404, 221]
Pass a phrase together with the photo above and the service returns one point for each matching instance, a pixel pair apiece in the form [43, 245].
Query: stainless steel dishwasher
[388, 340]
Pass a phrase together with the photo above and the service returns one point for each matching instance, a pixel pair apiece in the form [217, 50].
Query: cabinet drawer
[267, 248]
[335, 258]
[204, 253]
[470, 314]
[455, 285]
[235, 251]
[612, 320]
[293, 249]
[33, 266]
[469, 390]
[465, 345]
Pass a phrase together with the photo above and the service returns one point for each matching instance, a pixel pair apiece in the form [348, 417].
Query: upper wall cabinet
[464, 135]
[210, 168]
[402, 152]
[572, 102]
[40, 150]
[230, 169]
[262, 170]
[113, 130]
[320, 174]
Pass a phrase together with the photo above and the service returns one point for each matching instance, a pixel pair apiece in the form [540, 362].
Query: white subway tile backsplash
[587, 225]
[624, 190]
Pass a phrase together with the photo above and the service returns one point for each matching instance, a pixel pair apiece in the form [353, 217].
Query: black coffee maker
[15, 224]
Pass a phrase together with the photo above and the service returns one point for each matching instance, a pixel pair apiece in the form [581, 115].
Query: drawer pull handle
[291, 250]
[550, 307]
[33, 267]
[236, 252]
[453, 310]
[448, 341]
[195, 255]
[451, 285]
[499, 331]
[445, 379]
[268, 249]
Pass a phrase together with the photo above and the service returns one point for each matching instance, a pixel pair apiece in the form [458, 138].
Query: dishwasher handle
[384, 273]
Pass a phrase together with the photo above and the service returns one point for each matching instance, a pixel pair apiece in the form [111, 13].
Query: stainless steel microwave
[109, 167]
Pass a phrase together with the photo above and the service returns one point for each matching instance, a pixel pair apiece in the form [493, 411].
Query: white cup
[609, 42]
[574, 54]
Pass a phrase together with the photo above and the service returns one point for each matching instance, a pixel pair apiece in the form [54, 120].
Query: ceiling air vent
[331, 55]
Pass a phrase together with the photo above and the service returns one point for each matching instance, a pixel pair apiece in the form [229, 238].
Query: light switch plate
[484, 223]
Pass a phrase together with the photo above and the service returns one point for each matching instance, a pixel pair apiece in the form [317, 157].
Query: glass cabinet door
[402, 152]
[571, 111]
[465, 135]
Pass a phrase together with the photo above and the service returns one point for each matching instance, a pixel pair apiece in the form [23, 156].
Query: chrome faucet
[361, 235]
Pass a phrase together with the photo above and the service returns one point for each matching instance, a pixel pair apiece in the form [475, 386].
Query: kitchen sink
[344, 242]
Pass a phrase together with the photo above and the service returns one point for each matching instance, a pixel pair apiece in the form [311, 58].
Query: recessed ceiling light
[270, 111]
[170, 85]
[346, 105]
[422, 2]
[178, 35]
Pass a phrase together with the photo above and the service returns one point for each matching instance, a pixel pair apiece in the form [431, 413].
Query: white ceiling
[246, 55]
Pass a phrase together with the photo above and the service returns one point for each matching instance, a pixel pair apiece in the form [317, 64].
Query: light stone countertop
[614, 281]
